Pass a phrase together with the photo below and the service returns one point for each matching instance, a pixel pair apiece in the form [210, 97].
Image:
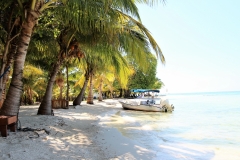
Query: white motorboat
[147, 105]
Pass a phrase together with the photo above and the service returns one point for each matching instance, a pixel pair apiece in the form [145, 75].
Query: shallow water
[203, 126]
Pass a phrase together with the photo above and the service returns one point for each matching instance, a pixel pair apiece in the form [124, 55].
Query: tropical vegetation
[69, 49]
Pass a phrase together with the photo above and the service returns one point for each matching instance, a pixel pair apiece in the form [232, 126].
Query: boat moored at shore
[147, 105]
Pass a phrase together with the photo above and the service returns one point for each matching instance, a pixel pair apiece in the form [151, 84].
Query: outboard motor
[167, 106]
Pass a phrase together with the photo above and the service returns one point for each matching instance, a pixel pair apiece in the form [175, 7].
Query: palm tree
[90, 90]
[106, 76]
[101, 79]
[129, 40]
[88, 26]
[60, 83]
[100, 59]
[9, 31]
[76, 79]
[31, 76]
[80, 96]
[32, 10]
[64, 40]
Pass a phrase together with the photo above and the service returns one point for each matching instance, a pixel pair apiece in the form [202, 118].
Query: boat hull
[146, 106]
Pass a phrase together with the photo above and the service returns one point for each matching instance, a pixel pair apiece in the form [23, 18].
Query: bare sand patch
[74, 134]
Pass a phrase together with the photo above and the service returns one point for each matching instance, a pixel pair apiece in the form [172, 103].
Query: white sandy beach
[74, 133]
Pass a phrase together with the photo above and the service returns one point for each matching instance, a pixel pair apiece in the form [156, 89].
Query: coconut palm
[86, 28]
[109, 86]
[105, 78]
[128, 40]
[83, 81]
[131, 38]
[101, 79]
[91, 65]
[64, 40]
[99, 60]
[32, 10]
[31, 76]
[9, 31]
[75, 80]
[60, 83]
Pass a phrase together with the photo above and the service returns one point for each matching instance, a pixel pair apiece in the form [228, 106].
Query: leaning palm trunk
[79, 98]
[6, 71]
[46, 104]
[10, 47]
[12, 103]
[90, 94]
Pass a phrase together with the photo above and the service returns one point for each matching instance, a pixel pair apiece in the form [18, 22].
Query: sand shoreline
[75, 133]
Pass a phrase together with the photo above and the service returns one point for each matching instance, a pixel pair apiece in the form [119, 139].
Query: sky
[200, 40]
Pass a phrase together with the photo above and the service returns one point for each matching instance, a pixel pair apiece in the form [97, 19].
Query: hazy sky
[200, 40]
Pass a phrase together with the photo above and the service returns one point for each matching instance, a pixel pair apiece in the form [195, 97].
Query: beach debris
[35, 131]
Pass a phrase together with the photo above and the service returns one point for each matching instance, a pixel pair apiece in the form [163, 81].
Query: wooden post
[5, 122]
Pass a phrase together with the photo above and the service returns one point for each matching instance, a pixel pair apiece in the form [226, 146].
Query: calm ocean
[203, 126]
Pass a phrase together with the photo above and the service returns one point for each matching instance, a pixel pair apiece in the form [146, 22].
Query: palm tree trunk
[67, 94]
[61, 88]
[100, 98]
[78, 100]
[90, 92]
[6, 59]
[111, 93]
[31, 97]
[12, 103]
[46, 104]
[121, 93]
[5, 68]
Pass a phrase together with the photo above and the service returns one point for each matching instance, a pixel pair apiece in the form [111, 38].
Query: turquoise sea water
[203, 126]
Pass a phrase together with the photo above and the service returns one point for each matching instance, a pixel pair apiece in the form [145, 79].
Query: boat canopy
[145, 90]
